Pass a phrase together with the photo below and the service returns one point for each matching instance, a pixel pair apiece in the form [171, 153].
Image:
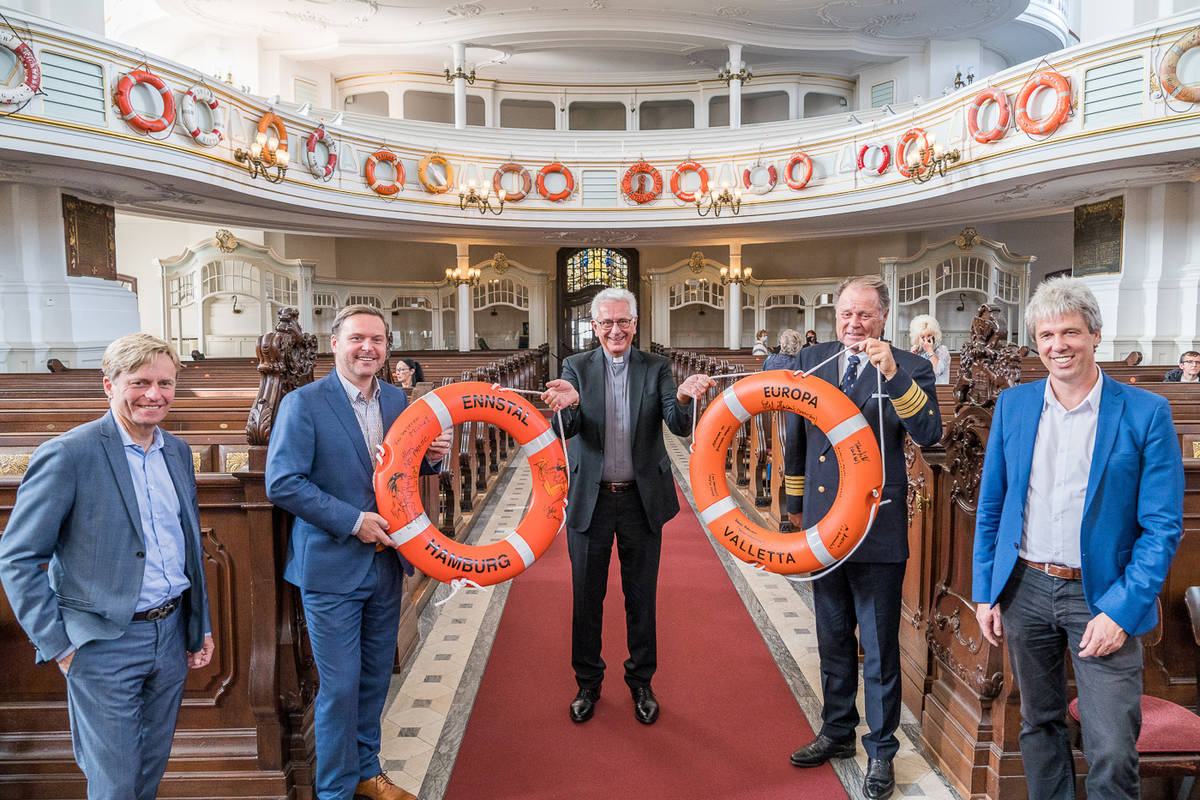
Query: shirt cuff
[357, 525]
[70, 649]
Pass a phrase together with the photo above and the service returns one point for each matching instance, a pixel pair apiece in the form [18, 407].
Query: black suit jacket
[651, 402]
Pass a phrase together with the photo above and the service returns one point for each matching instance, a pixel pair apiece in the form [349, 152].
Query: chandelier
[930, 160]
[470, 197]
[725, 74]
[460, 276]
[451, 77]
[736, 275]
[718, 200]
[265, 154]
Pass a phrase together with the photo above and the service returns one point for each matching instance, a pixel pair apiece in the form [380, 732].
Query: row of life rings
[1043, 126]
[31, 84]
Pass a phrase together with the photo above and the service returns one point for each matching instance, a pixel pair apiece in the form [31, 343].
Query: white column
[733, 299]
[466, 311]
[491, 109]
[561, 120]
[631, 114]
[735, 86]
[460, 85]
[700, 119]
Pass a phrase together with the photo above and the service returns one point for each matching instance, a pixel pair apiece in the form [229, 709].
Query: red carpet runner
[728, 723]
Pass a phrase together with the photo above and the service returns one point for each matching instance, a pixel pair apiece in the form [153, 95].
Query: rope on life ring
[800, 159]
[884, 151]
[399, 499]
[677, 181]
[1168, 70]
[760, 188]
[32, 83]
[517, 169]
[189, 113]
[145, 124]
[907, 139]
[1003, 111]
[325, 170]
[423, 174]
[860, 488]
[550, 169]
[642, 196]
[380, 188]
[1062, 105]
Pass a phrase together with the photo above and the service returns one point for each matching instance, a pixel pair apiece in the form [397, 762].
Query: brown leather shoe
[381, 788]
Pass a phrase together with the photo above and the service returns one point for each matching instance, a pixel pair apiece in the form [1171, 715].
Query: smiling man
[1080, 512]
[123, 628]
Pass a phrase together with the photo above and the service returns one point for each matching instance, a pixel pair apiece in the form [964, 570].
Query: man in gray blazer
[111, 507]
[622, 486]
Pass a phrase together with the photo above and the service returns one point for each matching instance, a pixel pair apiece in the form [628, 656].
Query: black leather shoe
[645, 705]
[584, 704]
[881, 779]
[820, 750]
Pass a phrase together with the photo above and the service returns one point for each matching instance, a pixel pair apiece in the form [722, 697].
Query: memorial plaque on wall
[91, 231]
[1099, 231]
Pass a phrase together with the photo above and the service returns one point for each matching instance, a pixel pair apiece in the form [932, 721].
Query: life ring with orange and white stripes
[427, 182]
[1168, 70]
[399, 498]
[760, 188]
[271, 122]
[1062, 104]
[860, 486]
[550, 169]
[145, 124]
[516, 169]
[324, 171]
[27, 88]
[677, 181]
[907, 139]
[189, 113]
[885, 161]
[1003, 111]
[801, 160]
[642, 196]
[377, 186]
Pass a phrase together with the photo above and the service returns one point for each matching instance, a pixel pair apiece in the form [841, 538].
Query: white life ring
[323, 170]
[760, 188]
[190, 114]
[26, 89]
[884, 163]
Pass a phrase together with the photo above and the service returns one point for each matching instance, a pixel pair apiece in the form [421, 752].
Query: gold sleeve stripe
[910, 402]
[793, 485]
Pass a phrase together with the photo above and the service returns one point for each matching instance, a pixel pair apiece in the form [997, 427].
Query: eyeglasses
[1190, 362]
[607, 324]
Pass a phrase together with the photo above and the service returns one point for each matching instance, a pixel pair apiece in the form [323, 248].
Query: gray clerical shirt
[618, 450]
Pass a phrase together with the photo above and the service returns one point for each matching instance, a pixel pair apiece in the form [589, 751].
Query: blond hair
[921, 323]
[132, 352]
[361, 308]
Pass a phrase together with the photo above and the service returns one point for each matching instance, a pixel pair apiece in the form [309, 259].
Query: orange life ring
[642, 196]
[804, 161]
[550, 169]
[883, 149]
[1062, 106]
[423, 174]
[997, 131]
[399, 499]
[860, 484]
[526, 182]
[32, 83]
[762, 188]
[909, 137]
[319, 170]
[1168, 71]
[145, 124]
[270, 121]
[677, 179]
[385, 189]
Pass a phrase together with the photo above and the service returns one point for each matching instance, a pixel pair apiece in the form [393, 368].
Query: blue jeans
[1043, 618]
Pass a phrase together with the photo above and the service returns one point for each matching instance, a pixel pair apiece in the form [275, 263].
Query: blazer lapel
[335, 395]
[637, 380]
[1112, 404]
[1030, 408]
[593, 377]
[110, 438]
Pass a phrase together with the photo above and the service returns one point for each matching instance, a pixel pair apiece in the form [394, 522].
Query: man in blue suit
[319, 467]
[1080, 512]
[111, 507]
[864, 593]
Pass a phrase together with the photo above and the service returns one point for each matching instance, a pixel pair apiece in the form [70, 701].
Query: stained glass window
[597, 266]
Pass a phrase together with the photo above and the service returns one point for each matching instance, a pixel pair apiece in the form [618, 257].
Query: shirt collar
[127, 440]
[1092, 401]
[610, 360]
[353, 392]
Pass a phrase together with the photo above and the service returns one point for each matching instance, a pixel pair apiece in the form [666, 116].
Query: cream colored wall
[388, 260]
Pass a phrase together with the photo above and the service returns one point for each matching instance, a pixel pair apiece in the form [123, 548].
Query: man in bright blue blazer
[1080, 512]
[320, 464]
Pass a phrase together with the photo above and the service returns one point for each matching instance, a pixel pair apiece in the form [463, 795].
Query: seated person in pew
[408, 373]
[789, 346]
[1078, 521]
[1188, 371]
[125, 628]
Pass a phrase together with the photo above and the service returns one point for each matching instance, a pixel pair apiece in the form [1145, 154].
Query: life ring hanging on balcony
[860, 486]
[642, 196]
[1003, 112]
[271, 121]
[885, 162]
[907, 140]
[677, 181]
[399, 499]
[324, 171]
[145, 124]
[423, 174]
[516, 169]
[377, 186]
[1062, 105]
[550, 169]
[189, 113]
[32, 83]
[760, 188]
[801, 160]
[1168, 70]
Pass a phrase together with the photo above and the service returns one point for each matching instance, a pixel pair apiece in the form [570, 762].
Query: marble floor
[430, 701]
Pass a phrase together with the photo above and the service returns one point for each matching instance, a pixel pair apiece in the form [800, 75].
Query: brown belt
[616, 487]
[162, 612]
[1055, 570]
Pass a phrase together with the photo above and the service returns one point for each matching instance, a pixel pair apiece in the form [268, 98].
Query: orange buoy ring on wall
[992, 95]
[860, 484]
[143, 123]
[802, 160]
[884, 151]
[1168, 71]
[677, 181]
[908, 139]
[550, 169]
[427, 182]
[526, 182]
[269, 121]
[27, 88]
[385, 189]
[642, 196]
[1062, 106]
[399, 498]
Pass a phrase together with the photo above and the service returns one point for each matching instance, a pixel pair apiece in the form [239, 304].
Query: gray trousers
[1044, 618]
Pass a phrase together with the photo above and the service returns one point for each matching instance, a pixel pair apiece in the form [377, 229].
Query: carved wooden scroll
[285, 362]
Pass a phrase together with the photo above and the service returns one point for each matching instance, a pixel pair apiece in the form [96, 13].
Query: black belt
[162, 612]
[616, 487]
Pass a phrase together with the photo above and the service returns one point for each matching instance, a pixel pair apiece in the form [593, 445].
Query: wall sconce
[736, 275]
[716, 200]
[470, 197]
[236, 310]
[925, 162]
[958, 78]
[460, 277]
[265, 152]
[451, 77]
[726, 75]
[962, 302]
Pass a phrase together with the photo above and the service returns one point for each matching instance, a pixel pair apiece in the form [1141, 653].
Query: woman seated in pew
[789, 346]
[926, 335]
[408, 373]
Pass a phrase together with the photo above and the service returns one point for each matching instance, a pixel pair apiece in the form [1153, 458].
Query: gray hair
[924, 322]
[1059, 297]
[866, 282]
[790, 341]
[613, 295]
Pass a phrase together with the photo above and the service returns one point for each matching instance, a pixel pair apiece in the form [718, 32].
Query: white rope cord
[455, 585]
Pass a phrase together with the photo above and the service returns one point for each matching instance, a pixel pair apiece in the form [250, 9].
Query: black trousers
[619, 516]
